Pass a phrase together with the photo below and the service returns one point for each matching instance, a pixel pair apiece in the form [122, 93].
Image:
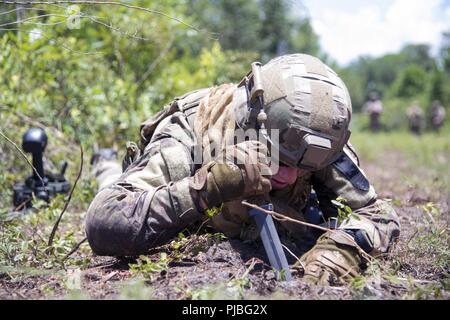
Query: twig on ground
[410, 239]
[201, 226]
[430, 216]
[252, 265]
[107, 265]
[292, 254]
[78, 245]
[55, 227]
[281, 216]
[109, 276]
[15, 292]
[416, 280]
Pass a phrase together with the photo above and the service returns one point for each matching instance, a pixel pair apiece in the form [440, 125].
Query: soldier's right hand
[244, 173]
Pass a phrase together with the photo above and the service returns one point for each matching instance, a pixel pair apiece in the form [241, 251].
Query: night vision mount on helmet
[305, 100]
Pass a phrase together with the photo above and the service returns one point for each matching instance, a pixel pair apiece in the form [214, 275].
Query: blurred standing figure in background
[437, 115]
[374, 108]
[415, 118]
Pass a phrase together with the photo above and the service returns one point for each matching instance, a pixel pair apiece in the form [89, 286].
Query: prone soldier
[189, 161]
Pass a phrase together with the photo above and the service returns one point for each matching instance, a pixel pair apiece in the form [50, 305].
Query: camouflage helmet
[306, 101]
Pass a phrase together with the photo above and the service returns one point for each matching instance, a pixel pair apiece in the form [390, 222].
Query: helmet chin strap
[256, 117]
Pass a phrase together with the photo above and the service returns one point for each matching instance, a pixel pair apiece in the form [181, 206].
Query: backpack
[147, 129]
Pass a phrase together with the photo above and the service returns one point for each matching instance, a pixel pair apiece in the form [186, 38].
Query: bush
[411, 82]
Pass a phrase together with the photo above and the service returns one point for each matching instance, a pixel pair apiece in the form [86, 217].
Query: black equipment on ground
[43, 185]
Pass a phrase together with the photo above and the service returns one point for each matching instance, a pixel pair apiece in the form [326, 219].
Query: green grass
[422, 149]
[420, 161]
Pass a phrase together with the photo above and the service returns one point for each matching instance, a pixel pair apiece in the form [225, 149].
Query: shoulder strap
[191, 99]
[182, 103]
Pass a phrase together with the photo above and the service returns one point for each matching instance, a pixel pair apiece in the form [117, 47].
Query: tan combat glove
[330, 262]
[245, 173]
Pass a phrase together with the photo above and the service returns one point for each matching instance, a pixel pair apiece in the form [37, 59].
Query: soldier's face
[285, 176]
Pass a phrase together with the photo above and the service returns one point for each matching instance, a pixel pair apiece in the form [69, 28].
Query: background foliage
[98, 82]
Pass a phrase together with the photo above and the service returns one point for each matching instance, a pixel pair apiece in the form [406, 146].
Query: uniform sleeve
[375, 224]
[345, 179]
[149, 204]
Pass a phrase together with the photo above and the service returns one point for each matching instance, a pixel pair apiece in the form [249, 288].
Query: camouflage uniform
[154, 198]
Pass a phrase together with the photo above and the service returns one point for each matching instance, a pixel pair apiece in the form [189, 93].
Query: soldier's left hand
[329, 263]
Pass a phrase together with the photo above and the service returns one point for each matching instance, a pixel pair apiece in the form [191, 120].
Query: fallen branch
[78, 245]
[55, 227]
[281, 216]
[292, 254]
[247, 271]
[415, 280]
[109, 276]
[286, 218]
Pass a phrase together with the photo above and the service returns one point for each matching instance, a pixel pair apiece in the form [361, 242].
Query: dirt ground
[210, 267]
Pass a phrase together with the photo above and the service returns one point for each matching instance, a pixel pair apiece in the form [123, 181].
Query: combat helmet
[305, 100]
